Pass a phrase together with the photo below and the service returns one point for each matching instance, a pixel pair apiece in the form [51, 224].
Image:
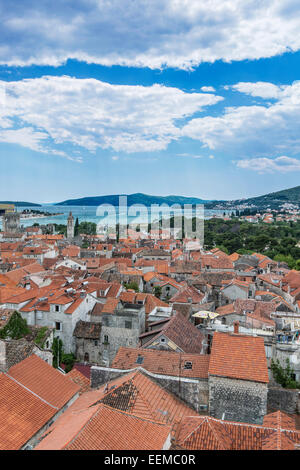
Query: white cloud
[270, 165]
[260, 89]
[88, 113]
[208, 89]
[173, 33]
[252, 131]
[188, 155]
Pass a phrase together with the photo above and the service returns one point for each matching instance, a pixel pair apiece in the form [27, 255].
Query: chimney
[236, 327]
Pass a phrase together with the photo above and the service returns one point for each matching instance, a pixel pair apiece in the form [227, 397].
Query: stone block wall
[237, 400]
[193, 392]
[286, 400]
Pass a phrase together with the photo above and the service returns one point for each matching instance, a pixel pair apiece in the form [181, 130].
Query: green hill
[291, 196]
[137, 198]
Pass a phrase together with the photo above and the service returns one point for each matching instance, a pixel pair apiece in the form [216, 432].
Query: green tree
[68, 360]
[132, 286]
[285, 376]
[89, 228]
[57, 350]
[157, 291]
[76, 227]
[15, 328]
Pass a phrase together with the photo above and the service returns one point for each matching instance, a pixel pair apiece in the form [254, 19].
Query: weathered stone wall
[102, 375]
[14, 351]
[286, 400]
[117, 337]
[193, 392]
[87, 346]
[240, 400]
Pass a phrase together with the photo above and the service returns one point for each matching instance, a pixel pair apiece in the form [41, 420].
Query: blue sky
[161, 97]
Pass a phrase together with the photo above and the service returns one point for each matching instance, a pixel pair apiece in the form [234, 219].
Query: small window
[162, 340]
[96, 343]
[57, 308]
[188, 365]
[128, 324]
[58, 326]
[105, 339]
[140, 359]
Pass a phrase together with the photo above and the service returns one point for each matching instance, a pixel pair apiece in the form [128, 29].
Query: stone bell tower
[70, 226]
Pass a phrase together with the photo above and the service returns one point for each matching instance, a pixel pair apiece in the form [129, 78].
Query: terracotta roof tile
[22, 414]
[42, 379]
[239, 356]
[162, 362]
[207, 433]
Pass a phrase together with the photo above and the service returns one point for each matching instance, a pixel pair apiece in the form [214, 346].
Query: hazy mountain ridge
[291, 195]
[21, 203]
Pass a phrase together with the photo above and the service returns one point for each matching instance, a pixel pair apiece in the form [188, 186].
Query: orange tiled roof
[79, 379]
[162, 362]
[238, 356]
[110, 305]
[22, 414]
[133, 394]
[45, 381]
[104, 428]
[207, 433]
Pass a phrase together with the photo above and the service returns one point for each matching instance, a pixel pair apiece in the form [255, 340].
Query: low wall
[283, 399]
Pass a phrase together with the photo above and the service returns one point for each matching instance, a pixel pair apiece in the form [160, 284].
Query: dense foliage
[132, 286]
[278, 241]
[57, 350]
[284, 376]
[41, 336]
[60, 357]
[15, 328]
[88, 228]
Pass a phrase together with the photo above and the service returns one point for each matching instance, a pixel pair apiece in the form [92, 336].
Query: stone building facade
[11, 222]
[14, 351]
[70, 227]
[87, 342]
[122, 328]
[237, 400]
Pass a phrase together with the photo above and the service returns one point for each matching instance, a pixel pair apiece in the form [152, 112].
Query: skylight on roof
[188, 365]
[140, 359]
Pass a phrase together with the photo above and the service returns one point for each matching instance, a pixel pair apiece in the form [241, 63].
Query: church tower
[70, 226]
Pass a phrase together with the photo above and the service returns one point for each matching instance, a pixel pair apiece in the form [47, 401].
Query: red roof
[162, 362]
[104, 428]
[43, 380]
[207, 433]
[239, 356]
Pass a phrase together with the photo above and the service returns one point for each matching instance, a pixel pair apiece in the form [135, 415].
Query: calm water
[89, 214]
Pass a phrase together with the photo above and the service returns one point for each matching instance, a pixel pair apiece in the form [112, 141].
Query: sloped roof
[79, 379]
[181, 332]
[207, 433]
[45, 381]
[22, 414]
[239, 356]
[104, 428]
[87, 330]
[132, 395]
[162, 362]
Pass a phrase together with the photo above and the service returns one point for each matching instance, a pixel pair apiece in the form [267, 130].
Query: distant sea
[89, 214]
